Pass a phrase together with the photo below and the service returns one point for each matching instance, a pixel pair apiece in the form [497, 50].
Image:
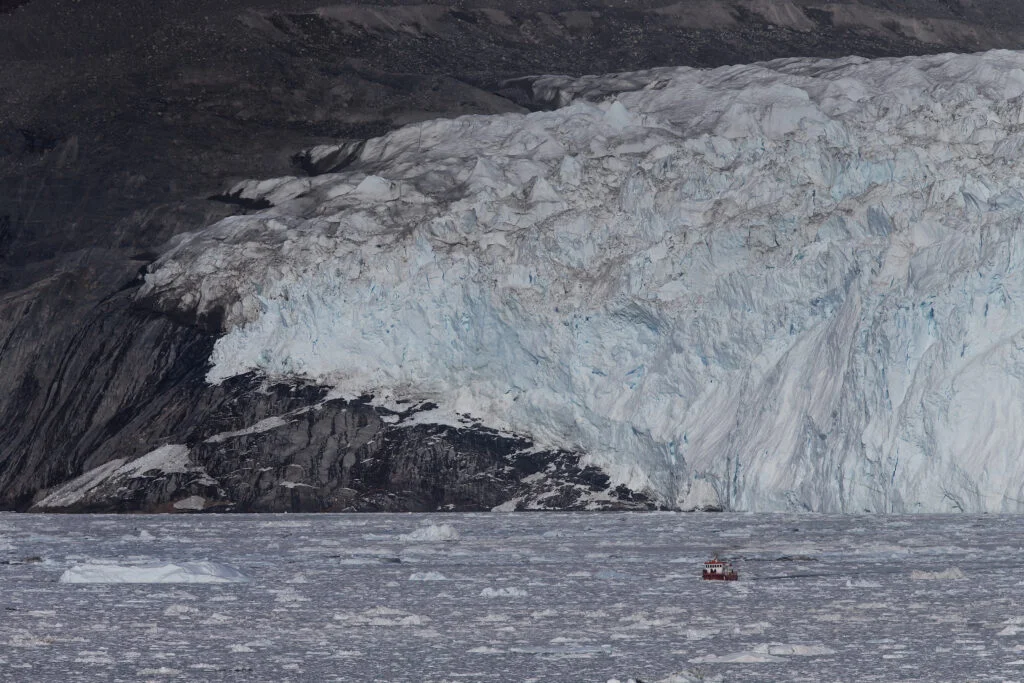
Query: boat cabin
[717, 570]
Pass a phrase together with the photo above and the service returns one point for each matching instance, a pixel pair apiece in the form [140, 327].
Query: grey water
[517, 597]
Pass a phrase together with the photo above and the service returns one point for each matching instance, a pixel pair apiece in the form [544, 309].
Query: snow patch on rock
[191, 503]
[264, 425]
[169, 459]
[78, 488]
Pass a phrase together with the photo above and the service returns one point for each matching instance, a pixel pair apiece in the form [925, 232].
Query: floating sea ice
[502, 593]
[737, 658]
[788, 649]
[162, 671]
[24, 638]
[641, 620]
[686, 677]
[1014, 625]
[428, 576]
[288, 594]
[381, 616]
[289, 524]
[432, 533]
[611, 575]
[953, 573]
[180, 572]
[99, 657]
[756, 628]
[180, 611]
[569, 648]
[493, 619]
[217, 619]
[700, 633]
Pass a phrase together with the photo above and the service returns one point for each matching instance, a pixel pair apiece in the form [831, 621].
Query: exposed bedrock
[334, 455]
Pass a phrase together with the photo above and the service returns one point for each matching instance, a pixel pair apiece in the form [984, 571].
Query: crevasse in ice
[789, 285]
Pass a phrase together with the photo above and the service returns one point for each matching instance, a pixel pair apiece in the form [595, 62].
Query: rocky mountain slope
[121, 128]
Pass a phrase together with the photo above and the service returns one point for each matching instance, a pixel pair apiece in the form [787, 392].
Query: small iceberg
[951, 574]
[172, 572]
[432, 533]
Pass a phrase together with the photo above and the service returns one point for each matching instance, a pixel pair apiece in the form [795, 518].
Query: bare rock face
[90, 381]
[121, 120]
[335, 455]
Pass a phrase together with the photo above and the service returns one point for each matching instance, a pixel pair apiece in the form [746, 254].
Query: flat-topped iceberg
[172, 572]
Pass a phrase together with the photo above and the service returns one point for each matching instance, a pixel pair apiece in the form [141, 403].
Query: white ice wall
[787, 285]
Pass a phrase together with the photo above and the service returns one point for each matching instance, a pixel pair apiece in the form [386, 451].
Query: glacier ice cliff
[787, 285]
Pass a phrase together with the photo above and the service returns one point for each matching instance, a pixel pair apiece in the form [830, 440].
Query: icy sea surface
[517, 597]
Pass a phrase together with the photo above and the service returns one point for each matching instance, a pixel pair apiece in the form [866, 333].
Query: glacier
[793, 285]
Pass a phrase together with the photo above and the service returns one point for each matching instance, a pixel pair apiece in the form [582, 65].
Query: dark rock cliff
[124, 123]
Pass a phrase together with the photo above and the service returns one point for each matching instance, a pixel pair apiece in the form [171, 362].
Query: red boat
[717, 570]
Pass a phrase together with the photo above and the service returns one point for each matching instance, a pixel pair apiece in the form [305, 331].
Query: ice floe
[174, 572]
[953, 573]
[431, 534]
